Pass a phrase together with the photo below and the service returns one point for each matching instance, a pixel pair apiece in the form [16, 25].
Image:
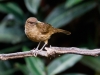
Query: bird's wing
[44, 27]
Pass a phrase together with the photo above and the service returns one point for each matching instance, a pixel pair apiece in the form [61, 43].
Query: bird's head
[32, 21]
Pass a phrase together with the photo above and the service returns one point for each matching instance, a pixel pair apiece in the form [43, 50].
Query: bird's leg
[45, 43]
[38, 46]
[43, 47]
[36, 50]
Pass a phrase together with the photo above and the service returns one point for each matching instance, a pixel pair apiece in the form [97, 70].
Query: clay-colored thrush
[40, 32]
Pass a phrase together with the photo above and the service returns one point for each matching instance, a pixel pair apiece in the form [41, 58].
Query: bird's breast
[35, 35]
[32, 35]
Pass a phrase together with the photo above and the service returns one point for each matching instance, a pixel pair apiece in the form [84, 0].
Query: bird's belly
[37, 37]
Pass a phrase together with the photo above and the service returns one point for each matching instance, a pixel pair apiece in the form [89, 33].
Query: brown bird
[40, 32]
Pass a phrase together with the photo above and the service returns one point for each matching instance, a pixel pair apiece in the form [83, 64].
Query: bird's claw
[34, 52]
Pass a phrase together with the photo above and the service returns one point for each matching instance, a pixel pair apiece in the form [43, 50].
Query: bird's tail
[62, 31]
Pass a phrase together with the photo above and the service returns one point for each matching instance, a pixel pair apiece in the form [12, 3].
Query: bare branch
[72, 50]
[22, 54]
[50, 52]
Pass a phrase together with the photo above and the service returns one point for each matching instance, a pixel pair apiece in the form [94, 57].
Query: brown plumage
[39, 31]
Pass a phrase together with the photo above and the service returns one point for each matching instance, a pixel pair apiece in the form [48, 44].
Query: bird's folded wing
[44, 27]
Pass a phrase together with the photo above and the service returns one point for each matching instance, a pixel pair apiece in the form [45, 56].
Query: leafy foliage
[32, 5]
[62, 63]
[81, 18]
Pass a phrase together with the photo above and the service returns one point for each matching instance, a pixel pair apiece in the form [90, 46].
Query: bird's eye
[31, 22]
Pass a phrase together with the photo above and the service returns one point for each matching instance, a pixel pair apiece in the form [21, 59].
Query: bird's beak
[38, 22]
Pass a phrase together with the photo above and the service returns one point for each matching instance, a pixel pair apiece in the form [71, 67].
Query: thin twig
[50, 52]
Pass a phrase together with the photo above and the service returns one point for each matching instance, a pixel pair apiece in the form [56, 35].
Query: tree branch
[50, 52]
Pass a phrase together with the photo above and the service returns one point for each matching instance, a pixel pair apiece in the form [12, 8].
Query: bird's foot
[34, 52]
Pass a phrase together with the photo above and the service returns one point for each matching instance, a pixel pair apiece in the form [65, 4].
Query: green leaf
[5, 68]
[70, 3]
[23, 68]
[12, 8]
[32, 5]
[4, 65]
[92, 62]
[8, 72]
[60, 16]
[35, 65]
[25, 48]
[10, 34]
[62, 63]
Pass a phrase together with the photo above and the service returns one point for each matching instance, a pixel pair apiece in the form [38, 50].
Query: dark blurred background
[80, 17]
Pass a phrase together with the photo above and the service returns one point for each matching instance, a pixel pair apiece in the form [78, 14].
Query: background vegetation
[81, 17]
